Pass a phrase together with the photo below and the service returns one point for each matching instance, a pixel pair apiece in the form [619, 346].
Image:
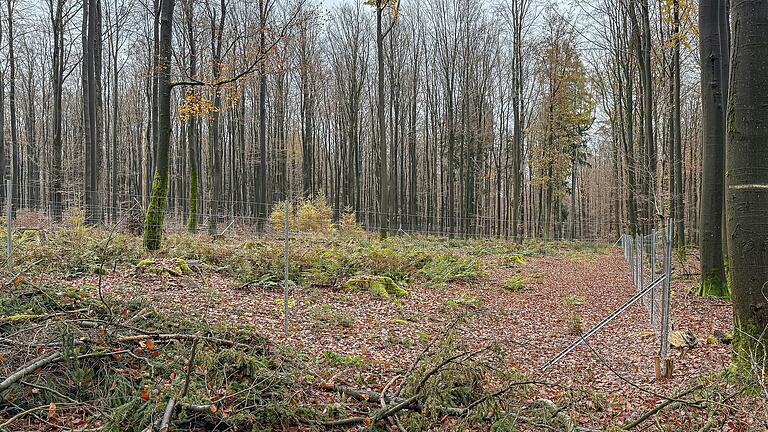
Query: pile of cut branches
[450, 384]
[70, 361]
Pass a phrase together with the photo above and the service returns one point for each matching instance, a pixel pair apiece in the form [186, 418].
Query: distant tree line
[512, 118]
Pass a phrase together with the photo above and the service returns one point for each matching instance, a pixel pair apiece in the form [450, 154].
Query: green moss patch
[380, 286]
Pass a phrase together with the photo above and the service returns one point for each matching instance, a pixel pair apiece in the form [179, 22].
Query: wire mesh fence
[650, 269]
[649, 262]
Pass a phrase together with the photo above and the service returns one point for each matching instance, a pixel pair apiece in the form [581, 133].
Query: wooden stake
[668, 366]
[657, 367]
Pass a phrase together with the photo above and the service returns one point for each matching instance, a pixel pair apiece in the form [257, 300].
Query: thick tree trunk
[676, 188]
[57, 21]
[153, 224]
[747, 182]
[713, 282]
[646, 80]
[15, 160]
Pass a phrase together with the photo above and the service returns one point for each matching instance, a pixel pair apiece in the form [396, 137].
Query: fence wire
[649, 257]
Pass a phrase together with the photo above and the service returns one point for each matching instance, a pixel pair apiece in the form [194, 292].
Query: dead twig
[673, 401]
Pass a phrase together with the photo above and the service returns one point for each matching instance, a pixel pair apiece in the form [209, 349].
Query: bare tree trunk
[57, 23]
[193, 128]
[747, 178]
[15, 160]
[381, 150]
[713, 281]
[676, 188]
[262, 211]
[214, 136]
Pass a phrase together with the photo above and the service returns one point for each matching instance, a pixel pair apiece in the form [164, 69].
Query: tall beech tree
[158, 201]
[747, 182]
[382, 6]
[92, 107]
[57, 16]
[193, 124]
[12, 97]
[713, 282]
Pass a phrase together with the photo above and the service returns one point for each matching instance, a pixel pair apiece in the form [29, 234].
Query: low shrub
[348, 225]
[573, 300]
[336, 359]
[75, 250]
[450, 268]
[464, 300]
[515, 283]
[310, 215]
[573, 324]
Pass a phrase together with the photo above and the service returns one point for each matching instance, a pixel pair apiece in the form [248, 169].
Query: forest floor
[527, 303]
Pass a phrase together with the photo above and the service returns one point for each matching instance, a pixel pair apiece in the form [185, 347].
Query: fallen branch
[428, 347]
[171, 406]
[165, 422]
[413, 405]
[28, 317]
[45, 361]
[48, 389]
[29, 368]
[674, 401]
[180, 336]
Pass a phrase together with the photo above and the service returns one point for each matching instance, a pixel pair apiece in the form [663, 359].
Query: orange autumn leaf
[51, 410]
[150, 344]
[144, 394]
[368, 421]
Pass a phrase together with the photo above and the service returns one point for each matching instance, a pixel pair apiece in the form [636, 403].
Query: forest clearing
[383, 215]
[503, 308]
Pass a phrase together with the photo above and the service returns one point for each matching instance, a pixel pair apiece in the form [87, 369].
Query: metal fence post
[285, 256]
[9, 226]
[639, 260]
[631, 260]
[653, 276]
[665, 296]
[653, 254]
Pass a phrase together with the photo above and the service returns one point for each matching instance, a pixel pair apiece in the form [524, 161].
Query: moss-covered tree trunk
[153, 224]
[747, 181]
[193, 141]
[713, 282]
[214, 138]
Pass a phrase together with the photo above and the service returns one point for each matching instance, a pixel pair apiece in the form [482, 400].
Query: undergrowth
[329, 257]
[116, 372]
[330, 261]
